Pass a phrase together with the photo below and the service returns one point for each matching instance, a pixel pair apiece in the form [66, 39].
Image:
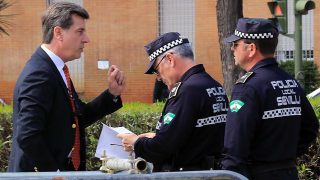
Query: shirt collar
[56, 59]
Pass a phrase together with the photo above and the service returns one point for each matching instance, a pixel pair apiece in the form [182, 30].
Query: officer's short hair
[184, 50]
[265, 46]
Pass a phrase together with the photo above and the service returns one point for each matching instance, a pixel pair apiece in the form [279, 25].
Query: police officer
[270, 121]
[190, 132]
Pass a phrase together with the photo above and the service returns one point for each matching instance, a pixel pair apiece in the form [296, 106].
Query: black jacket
[42, 118]
[191, 126]
[270, 120]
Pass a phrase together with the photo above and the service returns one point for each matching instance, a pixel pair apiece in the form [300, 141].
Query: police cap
[253, 28]
[160, 45]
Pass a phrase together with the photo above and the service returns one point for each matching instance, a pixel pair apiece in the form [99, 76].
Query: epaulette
[244, 78]
[174, 90]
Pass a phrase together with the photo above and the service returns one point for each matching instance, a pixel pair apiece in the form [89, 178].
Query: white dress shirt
[57, 61]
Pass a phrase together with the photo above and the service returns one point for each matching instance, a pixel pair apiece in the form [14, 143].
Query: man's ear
[58, 33]
[171, 59]
[253, 49]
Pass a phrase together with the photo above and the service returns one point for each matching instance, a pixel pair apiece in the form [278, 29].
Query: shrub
[311, 74]
[309, 164]
[139, 118]
[5, 136]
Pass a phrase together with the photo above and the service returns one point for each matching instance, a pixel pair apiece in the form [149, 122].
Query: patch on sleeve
[244, 78]
[174, 90]
[168, 118]
[236, 105]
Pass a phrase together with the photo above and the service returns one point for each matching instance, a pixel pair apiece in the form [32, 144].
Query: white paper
[107, 137]
[120, 130]
[103, 64]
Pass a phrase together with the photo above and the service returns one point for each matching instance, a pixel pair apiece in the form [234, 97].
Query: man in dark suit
[49, 119]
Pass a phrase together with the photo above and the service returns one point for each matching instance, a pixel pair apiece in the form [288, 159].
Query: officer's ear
[252, 48]
[171, 59]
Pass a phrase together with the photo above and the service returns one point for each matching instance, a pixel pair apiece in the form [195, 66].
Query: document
[110, 143]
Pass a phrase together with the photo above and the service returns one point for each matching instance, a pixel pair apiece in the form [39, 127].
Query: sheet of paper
[121, 130]
[108, 137]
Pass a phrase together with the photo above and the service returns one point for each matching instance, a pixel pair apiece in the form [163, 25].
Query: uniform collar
[263, 63]
[194, 70]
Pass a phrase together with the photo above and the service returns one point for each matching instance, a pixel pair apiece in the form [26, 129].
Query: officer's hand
[128, 141]
[116, 80]
[148, 135]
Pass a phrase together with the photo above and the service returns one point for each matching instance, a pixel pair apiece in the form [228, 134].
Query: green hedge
[311, 74]
[5, 136]
[139, 118]
[309, 164]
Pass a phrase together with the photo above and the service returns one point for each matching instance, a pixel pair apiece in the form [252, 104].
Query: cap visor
[231, 38]
[150, 69]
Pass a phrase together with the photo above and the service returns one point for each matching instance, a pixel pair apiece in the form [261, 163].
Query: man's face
[74, 39]
[163, 69]
[239, 49]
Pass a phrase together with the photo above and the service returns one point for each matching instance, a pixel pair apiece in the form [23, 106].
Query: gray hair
[184, 50]
[60, 14]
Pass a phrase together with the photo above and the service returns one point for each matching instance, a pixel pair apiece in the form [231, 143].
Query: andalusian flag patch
[236, 105]
[168, 118]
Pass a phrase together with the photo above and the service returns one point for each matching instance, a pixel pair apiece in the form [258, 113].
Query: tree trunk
[228, 12]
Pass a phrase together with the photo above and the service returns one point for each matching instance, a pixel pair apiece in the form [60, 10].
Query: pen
[116, 145]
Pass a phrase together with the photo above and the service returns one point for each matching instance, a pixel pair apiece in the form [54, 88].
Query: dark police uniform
[270, 122]
[191, 127]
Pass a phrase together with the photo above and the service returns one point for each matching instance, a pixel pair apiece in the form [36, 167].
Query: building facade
[118, 30]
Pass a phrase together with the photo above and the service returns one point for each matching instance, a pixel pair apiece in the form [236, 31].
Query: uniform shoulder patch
[174, 90]
[236, 105]
[245, 77]
[168, 118]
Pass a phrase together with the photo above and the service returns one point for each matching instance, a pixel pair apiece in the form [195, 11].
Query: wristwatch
[115, 98]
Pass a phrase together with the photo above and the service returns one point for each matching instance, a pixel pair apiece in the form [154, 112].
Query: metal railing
[87, 175]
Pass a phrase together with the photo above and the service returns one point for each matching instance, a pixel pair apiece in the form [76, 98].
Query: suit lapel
[44, 56]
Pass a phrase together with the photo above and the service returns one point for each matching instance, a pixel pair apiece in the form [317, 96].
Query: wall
[316, 34]
[207, 46]
[118, 30]
[25, 36]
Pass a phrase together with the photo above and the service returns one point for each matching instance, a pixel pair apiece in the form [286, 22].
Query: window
[286, 45]
[177, 16]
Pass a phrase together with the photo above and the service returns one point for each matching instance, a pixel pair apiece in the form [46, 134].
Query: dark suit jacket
[42, 118]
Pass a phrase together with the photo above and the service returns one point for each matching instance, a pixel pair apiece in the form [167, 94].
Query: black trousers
[209, 163]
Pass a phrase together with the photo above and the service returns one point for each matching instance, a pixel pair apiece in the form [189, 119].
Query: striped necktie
[75, 154]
